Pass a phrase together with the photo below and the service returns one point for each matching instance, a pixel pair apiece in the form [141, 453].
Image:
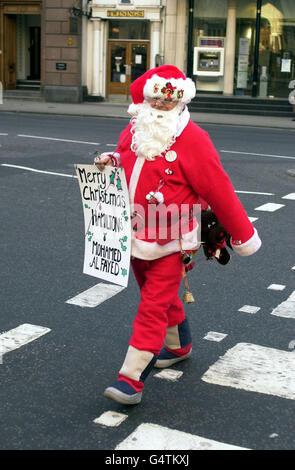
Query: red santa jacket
[187, 173]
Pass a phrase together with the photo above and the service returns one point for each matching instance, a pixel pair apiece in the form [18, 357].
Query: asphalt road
[52, 388]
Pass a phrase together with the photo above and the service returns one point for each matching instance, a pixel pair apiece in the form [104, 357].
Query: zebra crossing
[245, 366]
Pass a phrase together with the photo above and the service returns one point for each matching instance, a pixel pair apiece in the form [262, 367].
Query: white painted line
[19, 336]
[293, 268]
[95, 295]
[38, 171]
[257, 154]
[111, 145]
[270, 207]
[290, 196]
[249, 309]
[111, 419]
[3, 133]
[286, 309]
[214, 336]
[256, 369]
[169, 374]
[150, 436]
[255, 192]
[276, 287]
[58, 140]
[253, 219]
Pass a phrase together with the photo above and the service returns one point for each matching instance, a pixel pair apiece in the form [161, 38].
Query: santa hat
[166, 81]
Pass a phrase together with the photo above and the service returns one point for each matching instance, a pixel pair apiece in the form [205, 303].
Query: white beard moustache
[154, 131]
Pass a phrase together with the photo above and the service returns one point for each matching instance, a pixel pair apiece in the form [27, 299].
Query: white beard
[154, 131]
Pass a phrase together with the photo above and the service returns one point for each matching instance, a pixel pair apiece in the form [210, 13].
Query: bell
[188, 297]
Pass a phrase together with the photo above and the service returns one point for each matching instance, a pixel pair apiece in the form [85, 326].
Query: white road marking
[270, 207]
[3, 133]
[293, 268]
[255, 192]
[249, 309]
[111, 419]
[276, 287]
[38, 171]
[58, 140]
[95, 295]
[290, 196]
[256, 369]
[286, 309]
[111, 145]
[257, 154]
[17, 337]
[150, 436]
[253, 219]
[214, 336]
[169, 374]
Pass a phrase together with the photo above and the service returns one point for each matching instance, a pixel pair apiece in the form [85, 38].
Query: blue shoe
[123, 392]
[167, 358]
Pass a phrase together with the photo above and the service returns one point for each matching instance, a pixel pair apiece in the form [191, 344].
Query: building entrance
[21, 46]
[127, 60]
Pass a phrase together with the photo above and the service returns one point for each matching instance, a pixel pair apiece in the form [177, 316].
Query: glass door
[117, 68]
[126, 62]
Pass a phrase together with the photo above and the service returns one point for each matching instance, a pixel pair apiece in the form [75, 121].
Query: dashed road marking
[19, 336]
[255, 192]
[26, 168]
[258, 154]
[286, 309]
[58, 140]
[150, 436]
[249, 309]
[256, 369]
[253, 219]
[215, 336]
[290, 196]
[276, 287]
[269, 207]
[169, 374]
[95, 295]
[110, 419]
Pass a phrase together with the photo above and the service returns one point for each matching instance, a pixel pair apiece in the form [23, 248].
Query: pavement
[109, 109]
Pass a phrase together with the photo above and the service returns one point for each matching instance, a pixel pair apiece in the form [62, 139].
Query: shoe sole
[163, 363]
[120, 397]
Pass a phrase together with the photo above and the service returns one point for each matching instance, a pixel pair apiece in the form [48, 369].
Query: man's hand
[103, 160]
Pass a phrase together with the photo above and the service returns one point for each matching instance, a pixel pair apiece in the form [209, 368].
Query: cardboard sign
[106, 208]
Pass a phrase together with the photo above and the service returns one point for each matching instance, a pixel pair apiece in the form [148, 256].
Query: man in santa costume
[168, 161]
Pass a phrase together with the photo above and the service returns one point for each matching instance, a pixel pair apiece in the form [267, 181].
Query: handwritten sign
[106, 210]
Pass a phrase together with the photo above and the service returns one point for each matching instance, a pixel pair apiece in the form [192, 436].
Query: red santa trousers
[160, 307]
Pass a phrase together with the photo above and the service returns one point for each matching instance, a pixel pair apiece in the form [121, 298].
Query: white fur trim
[152, 250]
[159, 196]
[135, 362]
[132, 109]
[249, 247]
[183, 121]
[134, 178]
[114, 155]
[184, 92]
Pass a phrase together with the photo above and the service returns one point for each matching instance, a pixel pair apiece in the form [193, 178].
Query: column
[230, 46]
[155, 42]
[96, 79]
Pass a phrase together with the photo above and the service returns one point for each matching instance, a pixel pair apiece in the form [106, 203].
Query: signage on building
[61, 66]
[125, 13]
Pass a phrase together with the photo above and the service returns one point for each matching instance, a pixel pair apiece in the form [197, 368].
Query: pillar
[96, 79]
[230, 47]
[155, 42]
